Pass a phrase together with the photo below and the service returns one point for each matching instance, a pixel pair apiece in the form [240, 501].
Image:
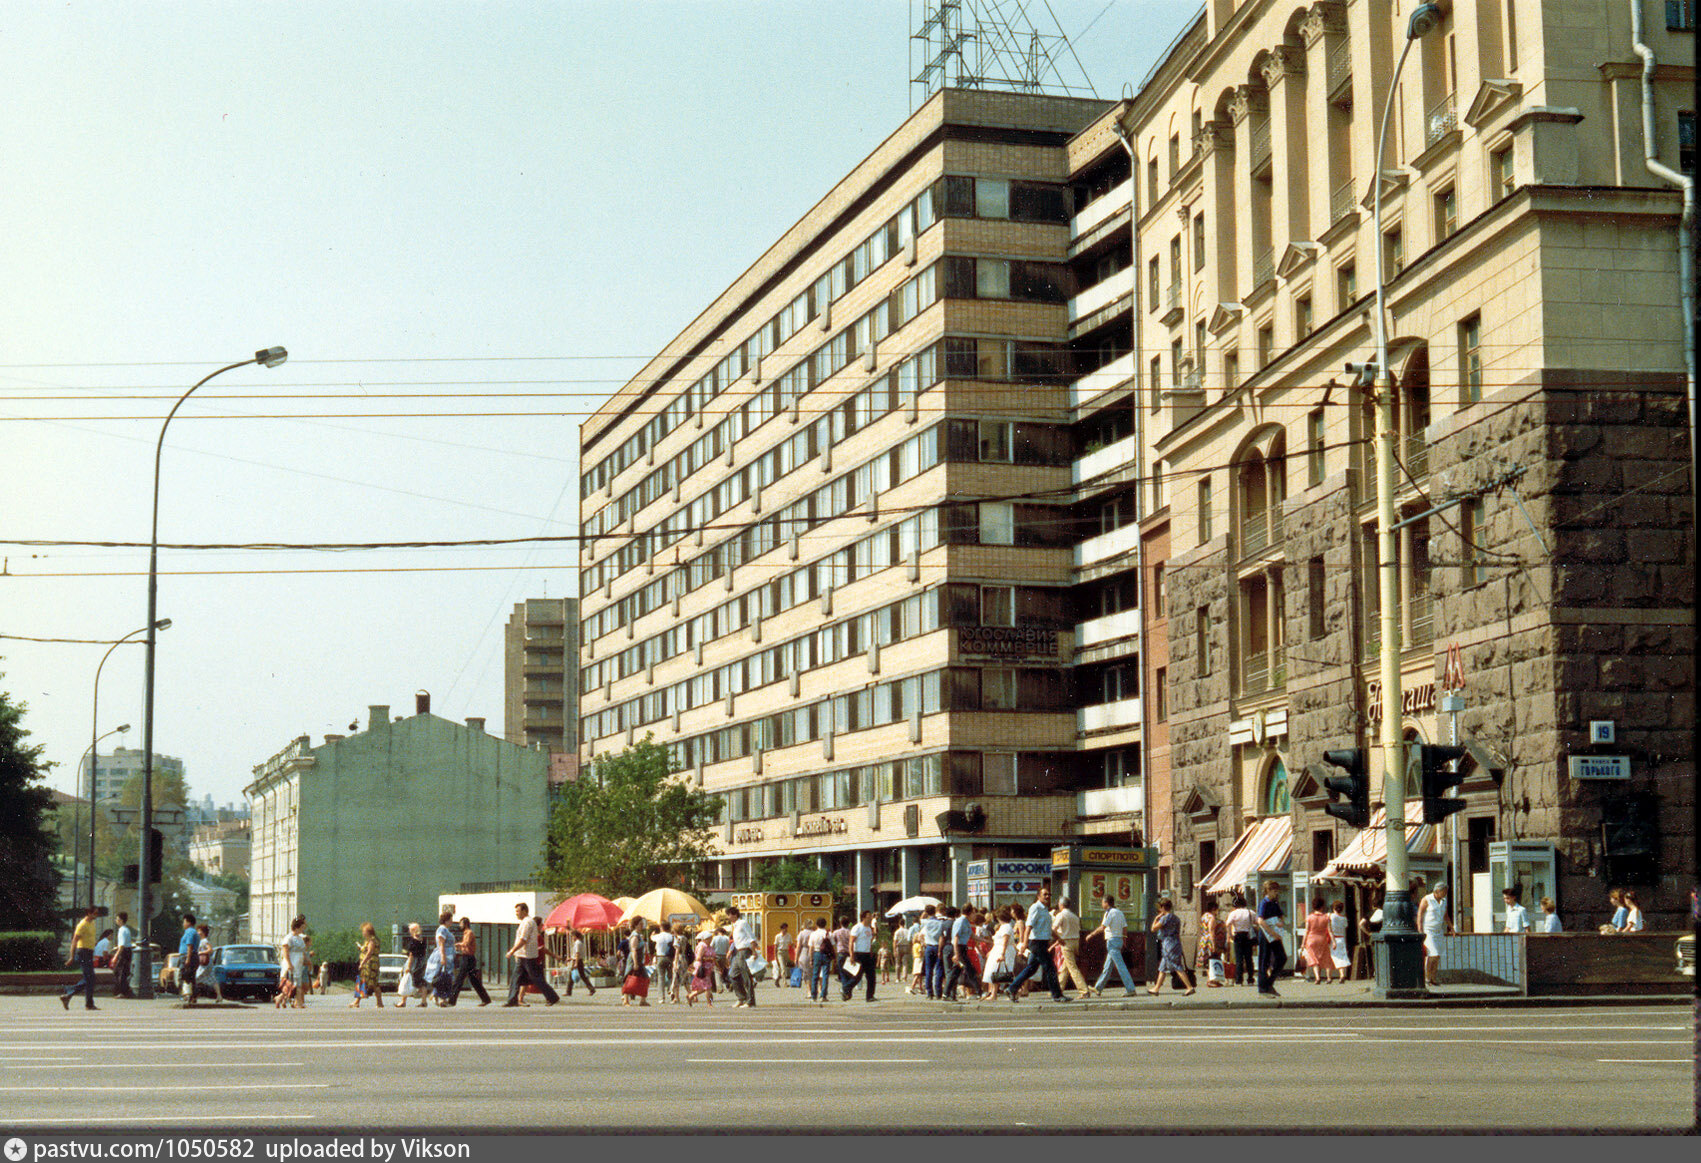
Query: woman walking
[1171, 959]
[1001, 960]
[703, 978]
[367, 983]
[412, 984]
[1318, 939]
[637, 982]
[295, 954]
[1338, 958]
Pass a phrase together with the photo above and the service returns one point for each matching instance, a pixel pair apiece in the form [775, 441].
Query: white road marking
[810, 1061]
[179, 1088]
[1663, 1061]
[158, 1065]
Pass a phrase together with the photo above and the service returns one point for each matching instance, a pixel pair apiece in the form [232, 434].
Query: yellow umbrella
[664, 906]
[625, 903]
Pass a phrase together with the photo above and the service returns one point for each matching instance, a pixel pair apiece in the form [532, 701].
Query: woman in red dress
[1318, 941]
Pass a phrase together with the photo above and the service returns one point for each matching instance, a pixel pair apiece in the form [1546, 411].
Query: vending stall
[1085, 873]
[767, 911]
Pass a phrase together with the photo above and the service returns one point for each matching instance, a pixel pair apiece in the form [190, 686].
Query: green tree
[628, 825]
[792, 875]
[117, 846]
[29, 884]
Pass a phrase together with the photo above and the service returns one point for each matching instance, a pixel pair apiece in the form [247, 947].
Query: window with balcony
[1115, 595]
[1370, 590]
[1418, 609]
[1175, 363]
[1121, 768]
[998, 689]
[1119, 681]
[1261, 632]
[998, 774]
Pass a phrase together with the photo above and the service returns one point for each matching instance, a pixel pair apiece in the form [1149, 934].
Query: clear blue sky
[453, 201]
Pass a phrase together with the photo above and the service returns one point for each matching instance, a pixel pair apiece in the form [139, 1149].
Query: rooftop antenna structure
[991, 44]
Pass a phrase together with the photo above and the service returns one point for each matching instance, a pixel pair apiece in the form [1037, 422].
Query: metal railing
[1260, 142]
[1443, 119]
[1255, 674]
[1340, 64]
[1423, 617]
[1343, 201]
[1491, 959]
[1264, 266]
[1414, 454]
[1254, 533]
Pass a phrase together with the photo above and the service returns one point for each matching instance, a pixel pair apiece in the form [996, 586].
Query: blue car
[235, 972]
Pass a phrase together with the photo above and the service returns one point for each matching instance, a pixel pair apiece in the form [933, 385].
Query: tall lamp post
[77, 824]
[94, 754]
[1399, 970]
[269, 357]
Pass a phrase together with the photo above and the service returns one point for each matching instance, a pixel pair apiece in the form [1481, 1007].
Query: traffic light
[156, 854]
[1433, 762]
[1354, 785]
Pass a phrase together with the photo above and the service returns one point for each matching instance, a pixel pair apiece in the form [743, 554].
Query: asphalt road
[895, 1065]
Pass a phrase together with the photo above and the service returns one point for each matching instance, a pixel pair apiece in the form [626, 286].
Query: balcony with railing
[1102, 209]
[1422, 610]
[1260, 143]
[1443, 119]
[1094, 384]
[1263, 673]
[1107, 545]
[1414, 454]
[1340, 70]
[1102, 294]
[1254, 532]
[1108, 628]
[1103, 716]
[1343, 201]
[1101, 461]
[1264, 266]
[1111, 801]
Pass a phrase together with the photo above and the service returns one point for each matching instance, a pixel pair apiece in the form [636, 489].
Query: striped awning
[1366, 856]
[1267, 846]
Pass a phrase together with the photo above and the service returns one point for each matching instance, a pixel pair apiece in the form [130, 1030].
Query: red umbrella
[585, 911]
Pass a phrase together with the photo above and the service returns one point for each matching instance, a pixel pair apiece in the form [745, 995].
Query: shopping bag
[755, 964]
[797, 977]
[1216, 969]
[404, 987]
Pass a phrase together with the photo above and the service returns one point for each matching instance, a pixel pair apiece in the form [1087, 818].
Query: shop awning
[1366, 857]
[1267, 846]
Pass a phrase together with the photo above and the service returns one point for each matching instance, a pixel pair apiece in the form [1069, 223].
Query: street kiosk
[767, 911]
[1085, 873]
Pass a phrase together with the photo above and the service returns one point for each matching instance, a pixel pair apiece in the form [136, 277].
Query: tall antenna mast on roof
[990, 44]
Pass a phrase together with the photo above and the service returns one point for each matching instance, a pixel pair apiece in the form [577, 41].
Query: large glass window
[998, 775]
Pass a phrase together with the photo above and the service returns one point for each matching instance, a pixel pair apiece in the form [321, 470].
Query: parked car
[168, 973]
[391, 966]
[1686, 955]
[235, 972]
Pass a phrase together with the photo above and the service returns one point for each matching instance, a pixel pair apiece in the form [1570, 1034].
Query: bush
[339, 947]
[21, 952]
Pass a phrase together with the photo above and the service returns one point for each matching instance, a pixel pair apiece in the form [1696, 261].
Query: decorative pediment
[1304, 785]
[1393, 181]
[1225, 316]
[1296, 257]
[1492, 96]
[1200, 804]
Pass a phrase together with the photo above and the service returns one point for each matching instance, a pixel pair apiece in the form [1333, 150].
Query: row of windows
[955, 688]
[950, 196]
[956, 773]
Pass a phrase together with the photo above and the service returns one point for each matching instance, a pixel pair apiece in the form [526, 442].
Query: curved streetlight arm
[93, 752]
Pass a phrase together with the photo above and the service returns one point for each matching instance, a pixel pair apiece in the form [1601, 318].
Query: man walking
[819, 943]
[121, 954]
[528, 961]
[901, 938]
[1067, 926]
[83, 957]
[1039, 948]
[932, 970]
[1114, 928]
[959, 933]
[188, 958]
[743, 982]
[862, 949]
[576, 963]
[842, 957]
[782, 955]
[466, 965]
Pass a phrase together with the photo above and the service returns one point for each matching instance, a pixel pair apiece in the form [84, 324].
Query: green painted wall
[404, 811]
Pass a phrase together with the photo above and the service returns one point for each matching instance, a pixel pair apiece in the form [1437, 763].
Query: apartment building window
[1152, 181]
[1152, 284]
[1370, 590]
[1303, 318]
[1266, 345]
[1315, 462]
[1202, 638]
[1231, 369]
[1158, 499]
[1199, 241]
[1471, 529]
[1394, 252]
[1155, 391]
[995, 441]
[1175, 268]
[997, 605]
[1470, 360]
[1121, 768]
[997, 523]
[1346, 284]
[1680, 16]
[1160, 694]
[1686, 140]
[1174, 155]
[998, 775]
[1199, 340]
[1119, 681]
[1175, 362]
[998, 689]
[1204, 510]
[1446, 214]
[1316, 595]
[1158, 590]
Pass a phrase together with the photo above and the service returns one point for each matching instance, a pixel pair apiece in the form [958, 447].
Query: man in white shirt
[722, 946]
[1517, 916]
[1039, 949]
[738, 970]
[1067, 928]
[819, 942]
[528, 959]
[1114, 928]
[862, 949]
[901, 938]
[121, 953]
[782, 955]
[576, 963]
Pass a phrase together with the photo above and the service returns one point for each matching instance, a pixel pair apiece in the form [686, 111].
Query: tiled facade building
[1016, 495]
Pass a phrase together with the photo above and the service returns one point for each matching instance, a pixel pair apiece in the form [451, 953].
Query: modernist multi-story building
[1017, 495]
[540, 673]
[112, 772]
[373, 826]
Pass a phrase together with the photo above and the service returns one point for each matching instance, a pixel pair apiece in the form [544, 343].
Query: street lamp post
[77, 824]
[1399, 970]
[269, 357]
[94, 753]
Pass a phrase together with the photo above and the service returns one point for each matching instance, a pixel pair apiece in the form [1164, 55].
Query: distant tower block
[990, 44]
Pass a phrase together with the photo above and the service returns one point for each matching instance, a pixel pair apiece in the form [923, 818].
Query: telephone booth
[767, 911]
